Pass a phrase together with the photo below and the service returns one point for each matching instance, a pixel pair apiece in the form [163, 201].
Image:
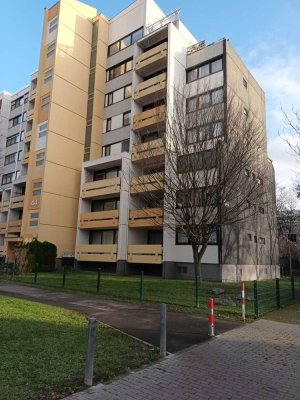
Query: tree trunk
[197, 255]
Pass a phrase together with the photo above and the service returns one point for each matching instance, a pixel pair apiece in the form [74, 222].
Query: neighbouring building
[93, 111]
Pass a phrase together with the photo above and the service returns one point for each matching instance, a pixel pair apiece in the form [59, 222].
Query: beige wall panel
[72, 44]
[75, 16]
[100, 79]
[53, 11]
[70, 69]
[95, 151]
[58, 210]
[101, 53]
[97, 128]
[64, 152]
[63, 238]
[69, 96]
[66, 123]
[98, 109]
[46, 64]
[68, 183]
[37, 172]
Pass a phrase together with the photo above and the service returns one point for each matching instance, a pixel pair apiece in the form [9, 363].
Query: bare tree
[214, 167]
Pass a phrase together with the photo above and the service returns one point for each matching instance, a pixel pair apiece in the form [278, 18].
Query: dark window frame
[197, 68]
[119, 42]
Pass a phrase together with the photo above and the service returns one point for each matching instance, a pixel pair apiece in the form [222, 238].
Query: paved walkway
[137, 320]
[260, 361]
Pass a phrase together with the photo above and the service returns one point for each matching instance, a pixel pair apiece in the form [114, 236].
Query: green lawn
[42, 351]
[179, 294]
[288, 315]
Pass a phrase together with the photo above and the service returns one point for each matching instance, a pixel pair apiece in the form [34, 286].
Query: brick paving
[258, 361]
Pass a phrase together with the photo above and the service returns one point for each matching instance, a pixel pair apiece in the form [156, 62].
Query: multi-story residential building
[12, 171]
[97, 104]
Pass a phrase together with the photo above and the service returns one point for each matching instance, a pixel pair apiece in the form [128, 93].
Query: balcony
[27, 137]
[17, 202]
[2, 250]
[14, 226]
[150, 152]
[97, 252]
[5, 206]
[151, 90]
[3, 228]
[149, 121]
[147, 218]
[147, 183]
[30, 114]
[152, 60]
[145, 253]
[101, 189]
[25, 159]
[101, 219]
[32, 94]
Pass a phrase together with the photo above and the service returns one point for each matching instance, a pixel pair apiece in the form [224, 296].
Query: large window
[205, 132]
[106, 174]
[204, 100]
[181, 238]
[105, 205]
[17, 103]
[10, 159]
[51, 49]
[119, 69]
[15, 121]
[118, 95]
[196, 161]
[103, 237]
[115, 148]
[125, 42]
[18, 137]
[204, 70]
[7, 178]
[48, 76]
[53, 24]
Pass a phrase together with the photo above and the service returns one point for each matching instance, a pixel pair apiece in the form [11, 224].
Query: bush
[43, 253]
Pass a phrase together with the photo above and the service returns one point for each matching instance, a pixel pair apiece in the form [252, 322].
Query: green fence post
[293, 287]
[64, 277]
[255, 287]
[13, 270]
[277, 293]
[197, 291]
[142, 286]
[98, 280]
[36, 272]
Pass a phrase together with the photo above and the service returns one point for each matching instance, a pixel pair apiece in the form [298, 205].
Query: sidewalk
[138, 320]
[259, 361]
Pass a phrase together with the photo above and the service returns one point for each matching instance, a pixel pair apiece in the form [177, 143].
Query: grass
[179, 294]
[289, 314]
[43, 351]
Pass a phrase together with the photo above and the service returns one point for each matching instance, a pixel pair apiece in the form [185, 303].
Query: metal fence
[261, 296]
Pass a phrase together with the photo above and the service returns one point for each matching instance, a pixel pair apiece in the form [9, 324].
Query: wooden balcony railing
[150, 151]
[153, 59]
[3, 228]
[151, 90]
[97, 252]
[100, 219]
[25, 158]
[145, 253]
[147, 183]
[150, 120]
[14, 226]
[147, 218]
[17, 202]
[5, 206]
[101, 188]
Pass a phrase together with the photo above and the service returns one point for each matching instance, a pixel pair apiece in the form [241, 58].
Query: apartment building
[13, 121]
[97, 105]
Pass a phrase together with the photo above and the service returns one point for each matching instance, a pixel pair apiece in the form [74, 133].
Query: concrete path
[138, 320]
[260, 361]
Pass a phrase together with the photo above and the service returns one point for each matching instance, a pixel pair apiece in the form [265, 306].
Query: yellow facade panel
[67, 184]
[62, 237]
[65, 152]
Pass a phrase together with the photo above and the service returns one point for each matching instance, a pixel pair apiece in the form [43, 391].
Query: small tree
[214, 167]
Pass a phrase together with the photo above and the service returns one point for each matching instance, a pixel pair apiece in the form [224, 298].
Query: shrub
[43, 253]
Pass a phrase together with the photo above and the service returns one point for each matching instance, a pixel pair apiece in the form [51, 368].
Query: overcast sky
[266, 34]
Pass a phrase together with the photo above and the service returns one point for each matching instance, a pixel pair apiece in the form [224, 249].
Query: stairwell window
[53, 24]
[48, 76]
[43, 130]
[204, 70]
[127, 118]
[51, 49]
[39, 159]
[45, 103]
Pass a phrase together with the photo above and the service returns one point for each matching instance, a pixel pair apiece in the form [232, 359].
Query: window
[43, 130]
[34, 215]
[119, 69]
[7, 178]
[37, 185]
[108, 125]
[204, 70]
[24, 116]
[51, 49]
[21, 136]
[33, 223]
[19, 158]
[106, 174]
[118, 95]
[12, 139]
[105, 205]
[204, 100]
[245, 83]
[125, 42]
[52, 26]
[181, 238]
[103, 237]
[15, 121]
[17, 103]
[48, 76]
[17, 175]
[115, 148]
[39, 159]
[36, 192]
[45, 103]
[9, 159]
[125, 146]
[126, 118]
[205, 132]
[196, 161]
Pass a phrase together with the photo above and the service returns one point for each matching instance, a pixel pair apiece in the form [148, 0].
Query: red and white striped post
[211, 319]
[243, 301]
